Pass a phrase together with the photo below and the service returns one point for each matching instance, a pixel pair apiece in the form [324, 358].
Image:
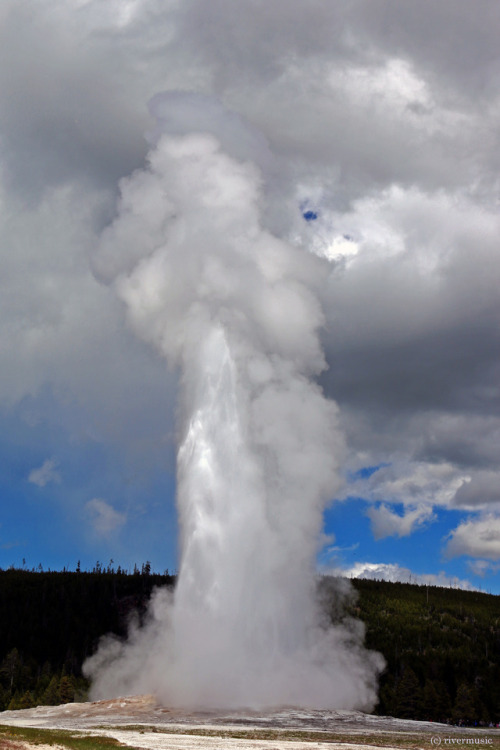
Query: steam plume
[235, 309]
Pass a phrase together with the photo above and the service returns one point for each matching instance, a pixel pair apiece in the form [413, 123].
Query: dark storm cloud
[456, 47]
[382, 117]
[65, 113]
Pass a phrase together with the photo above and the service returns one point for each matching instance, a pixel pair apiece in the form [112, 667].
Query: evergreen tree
[66, 690]
[4, 698]
[408, 696]
[464, 711]
[50, 697]
[430, 702]
[443, 703]
[11, 667]
[387, 701]
[14, 702]
[27, 700]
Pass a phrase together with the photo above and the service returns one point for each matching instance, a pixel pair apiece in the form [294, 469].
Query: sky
[379, 121]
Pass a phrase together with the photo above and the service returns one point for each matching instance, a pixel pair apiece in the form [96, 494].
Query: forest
[441, 645]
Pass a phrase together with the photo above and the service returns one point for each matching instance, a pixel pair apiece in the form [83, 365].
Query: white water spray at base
[235, 309]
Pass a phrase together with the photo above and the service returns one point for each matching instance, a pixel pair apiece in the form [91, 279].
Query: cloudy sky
[381, 124]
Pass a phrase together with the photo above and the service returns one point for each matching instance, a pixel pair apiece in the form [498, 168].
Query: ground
[141, 722]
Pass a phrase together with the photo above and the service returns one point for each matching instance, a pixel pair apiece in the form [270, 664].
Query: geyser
[235, 309]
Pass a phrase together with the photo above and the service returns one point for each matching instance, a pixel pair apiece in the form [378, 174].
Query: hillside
[442, 646]
[50, 622]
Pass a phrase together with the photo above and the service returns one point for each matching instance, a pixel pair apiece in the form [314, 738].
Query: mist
[234, 308]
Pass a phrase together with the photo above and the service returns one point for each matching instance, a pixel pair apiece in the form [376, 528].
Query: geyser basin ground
[141, 722]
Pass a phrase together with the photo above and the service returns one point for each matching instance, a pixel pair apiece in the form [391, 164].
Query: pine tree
[27, 700]
[66, 690]
[10, 667]
[14, 702]
[430, 701]
[4, 698]
[50, 696]
[408, 696]
[443, 704]
[464, 711]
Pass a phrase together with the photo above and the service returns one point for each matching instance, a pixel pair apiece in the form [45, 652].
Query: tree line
[50, 622]
[442, 650]
[441, 646]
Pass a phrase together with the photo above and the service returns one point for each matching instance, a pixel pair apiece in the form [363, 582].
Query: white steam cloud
[235, 309]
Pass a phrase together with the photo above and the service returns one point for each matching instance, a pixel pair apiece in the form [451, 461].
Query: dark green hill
[50, 622]
[442, 646]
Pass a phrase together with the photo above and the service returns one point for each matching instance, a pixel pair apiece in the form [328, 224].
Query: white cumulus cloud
[399, 574]
[482, 568]
[387, 523]
[45, 473]
[103, 517]
[476, 538]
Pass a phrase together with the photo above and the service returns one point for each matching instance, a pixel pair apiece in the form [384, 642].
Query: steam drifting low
[235, 309]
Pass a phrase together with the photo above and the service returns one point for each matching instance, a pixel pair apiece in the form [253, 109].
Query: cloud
[74, 364]
[413, 483]
[481, 492]
[469, 440]
[103, 517]
[385, 522]
[390, 137]
[396, 573]
[10, 545]
[45, 474]
[476, 538]
[55, 126]
[482, 568]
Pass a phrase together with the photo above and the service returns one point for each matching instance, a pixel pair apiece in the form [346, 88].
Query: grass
[397, 739]
[68, 739]
[403, 740]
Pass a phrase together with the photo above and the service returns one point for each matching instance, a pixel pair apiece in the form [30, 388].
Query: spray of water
[235, 309]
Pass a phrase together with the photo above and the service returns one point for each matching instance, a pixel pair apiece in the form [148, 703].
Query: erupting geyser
[235, 309]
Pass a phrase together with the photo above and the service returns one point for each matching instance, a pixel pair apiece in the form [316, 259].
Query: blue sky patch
[310, 215]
